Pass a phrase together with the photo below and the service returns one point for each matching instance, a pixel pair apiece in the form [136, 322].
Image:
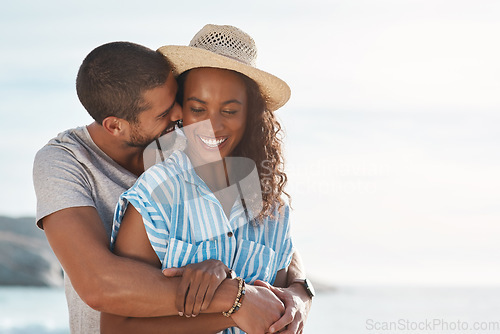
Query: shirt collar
[249, 186]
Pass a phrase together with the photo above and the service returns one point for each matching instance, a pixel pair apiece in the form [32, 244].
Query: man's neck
[130, 158]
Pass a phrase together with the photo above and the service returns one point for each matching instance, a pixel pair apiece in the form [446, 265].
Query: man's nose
[176, 113]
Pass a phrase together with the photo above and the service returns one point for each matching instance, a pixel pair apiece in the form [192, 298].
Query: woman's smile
[213, 143]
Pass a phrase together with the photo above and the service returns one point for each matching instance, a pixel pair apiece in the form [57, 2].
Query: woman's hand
[198, 285]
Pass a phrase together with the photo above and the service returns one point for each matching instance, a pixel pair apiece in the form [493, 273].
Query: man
[78, 176]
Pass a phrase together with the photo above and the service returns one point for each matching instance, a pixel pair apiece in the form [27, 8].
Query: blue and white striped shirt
[186, 223]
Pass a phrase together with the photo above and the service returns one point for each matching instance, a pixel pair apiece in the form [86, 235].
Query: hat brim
[183, 58]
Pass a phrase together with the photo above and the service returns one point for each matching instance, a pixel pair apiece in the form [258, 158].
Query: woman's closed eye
[197, 110]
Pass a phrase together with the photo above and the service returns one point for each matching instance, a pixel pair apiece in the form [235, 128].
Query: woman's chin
[200, 156]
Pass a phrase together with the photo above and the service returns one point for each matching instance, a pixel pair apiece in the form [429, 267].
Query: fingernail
[181, 314]
[271, 330]
[194, 315]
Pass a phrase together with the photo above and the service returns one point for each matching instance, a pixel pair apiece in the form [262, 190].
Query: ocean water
[346, 309]
[28, 310]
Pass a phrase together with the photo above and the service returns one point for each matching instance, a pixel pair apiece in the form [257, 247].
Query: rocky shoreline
[25, 255]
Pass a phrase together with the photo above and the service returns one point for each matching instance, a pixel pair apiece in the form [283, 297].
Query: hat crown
[227, 41]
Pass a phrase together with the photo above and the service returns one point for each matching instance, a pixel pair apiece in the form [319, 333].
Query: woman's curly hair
[262, 143]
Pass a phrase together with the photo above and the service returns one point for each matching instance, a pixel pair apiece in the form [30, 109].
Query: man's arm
[295, 269]
[107, 282]
[203, 323]
[120, 285]
[297, 301]
[256, 313]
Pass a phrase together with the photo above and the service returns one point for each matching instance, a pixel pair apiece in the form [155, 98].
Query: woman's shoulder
[162, 176]
[281, 211]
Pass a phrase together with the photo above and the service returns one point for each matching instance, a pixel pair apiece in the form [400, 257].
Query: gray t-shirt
[72, 171]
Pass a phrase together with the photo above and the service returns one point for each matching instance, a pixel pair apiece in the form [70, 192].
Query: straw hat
[227, 47]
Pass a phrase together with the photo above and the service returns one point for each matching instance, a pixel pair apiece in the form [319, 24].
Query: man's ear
[115, 126]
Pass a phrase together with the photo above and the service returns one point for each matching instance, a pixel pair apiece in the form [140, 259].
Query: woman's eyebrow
[223, 103]
[232, 101]
[196, 99]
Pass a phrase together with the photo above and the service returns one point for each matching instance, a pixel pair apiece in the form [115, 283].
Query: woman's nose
[217, 122]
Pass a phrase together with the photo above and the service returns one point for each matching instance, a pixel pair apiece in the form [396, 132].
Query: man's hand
[259, 309]
[198, 285]
[297, 305]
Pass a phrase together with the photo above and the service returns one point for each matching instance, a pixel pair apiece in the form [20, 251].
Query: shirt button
[230, 234]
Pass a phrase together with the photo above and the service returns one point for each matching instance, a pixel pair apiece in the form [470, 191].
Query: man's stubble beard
[138, 140]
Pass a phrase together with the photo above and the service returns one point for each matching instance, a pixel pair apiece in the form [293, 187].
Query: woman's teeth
[212, 142]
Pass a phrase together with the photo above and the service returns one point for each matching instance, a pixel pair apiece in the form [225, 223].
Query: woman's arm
[260, 307]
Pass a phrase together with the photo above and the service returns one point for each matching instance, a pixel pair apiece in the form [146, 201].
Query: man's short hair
[113, 77]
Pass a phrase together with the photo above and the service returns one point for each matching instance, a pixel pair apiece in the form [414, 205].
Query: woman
[216, 206]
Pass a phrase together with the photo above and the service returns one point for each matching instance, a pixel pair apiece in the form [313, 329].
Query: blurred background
[392, 142]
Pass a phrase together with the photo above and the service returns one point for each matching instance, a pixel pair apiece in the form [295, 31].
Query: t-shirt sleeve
[286, 249]
[60, 182]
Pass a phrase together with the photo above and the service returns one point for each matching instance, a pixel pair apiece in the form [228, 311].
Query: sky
[391, 131]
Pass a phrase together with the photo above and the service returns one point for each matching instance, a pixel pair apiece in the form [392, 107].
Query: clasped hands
[265, 309]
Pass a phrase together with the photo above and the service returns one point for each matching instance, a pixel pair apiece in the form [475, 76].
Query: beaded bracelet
[239, 298]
